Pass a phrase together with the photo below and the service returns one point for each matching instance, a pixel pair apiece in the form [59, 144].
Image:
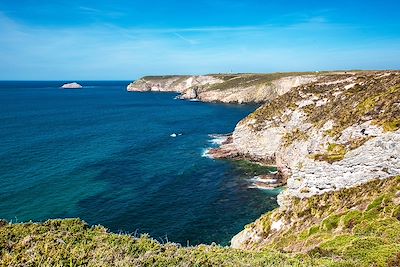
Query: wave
[175, 134]
[204, 153]
[263, 183]
[218, 139]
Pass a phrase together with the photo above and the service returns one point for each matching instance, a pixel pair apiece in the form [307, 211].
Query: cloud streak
[107, 51]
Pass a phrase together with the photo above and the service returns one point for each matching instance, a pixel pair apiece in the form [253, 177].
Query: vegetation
[250, 168]
[246, 80]
[359, 225]
[335, 152]
[164, 77]
[297, 134]
[373, 97]
[72, 242]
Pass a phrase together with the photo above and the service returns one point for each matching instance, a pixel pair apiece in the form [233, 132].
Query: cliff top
[348, 99]
[354, 227]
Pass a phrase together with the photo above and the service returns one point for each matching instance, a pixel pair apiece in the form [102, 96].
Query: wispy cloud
[89, 9]
[189, 41]
[107, 51]
[100, 12]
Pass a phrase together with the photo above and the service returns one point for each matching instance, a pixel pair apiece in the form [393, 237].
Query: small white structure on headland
[73, 85]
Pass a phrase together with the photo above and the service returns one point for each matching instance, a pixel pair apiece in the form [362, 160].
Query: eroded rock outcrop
[336, 133]
[326, 133]
[330, 223]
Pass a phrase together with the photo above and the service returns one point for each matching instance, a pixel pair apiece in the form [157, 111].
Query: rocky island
[334, 138]
[73, 85]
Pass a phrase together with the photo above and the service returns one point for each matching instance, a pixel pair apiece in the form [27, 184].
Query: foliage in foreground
[71, 242]
[360, 225]
[354, 227]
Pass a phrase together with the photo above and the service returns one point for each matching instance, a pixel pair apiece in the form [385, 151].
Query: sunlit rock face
[73, 85]
[237, 88]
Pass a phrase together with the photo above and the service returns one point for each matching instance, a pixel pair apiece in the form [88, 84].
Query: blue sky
[78, 40]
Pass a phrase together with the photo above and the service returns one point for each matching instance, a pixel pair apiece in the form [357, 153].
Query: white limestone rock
[73, 85]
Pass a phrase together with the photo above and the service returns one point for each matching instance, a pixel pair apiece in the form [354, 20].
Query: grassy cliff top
[354, 227]
[71, 242]
[350, 99]
[359, 225]
[164, 77]
[235, 80]
[251, 79]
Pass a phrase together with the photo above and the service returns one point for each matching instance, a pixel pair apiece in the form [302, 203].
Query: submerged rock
[73, 85]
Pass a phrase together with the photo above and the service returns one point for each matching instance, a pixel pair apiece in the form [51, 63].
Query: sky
[124, 40]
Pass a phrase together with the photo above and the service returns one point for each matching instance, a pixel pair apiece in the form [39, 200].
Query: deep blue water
[106, 156]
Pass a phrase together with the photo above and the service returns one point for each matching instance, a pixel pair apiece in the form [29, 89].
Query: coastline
[280, 133]
[334, 141]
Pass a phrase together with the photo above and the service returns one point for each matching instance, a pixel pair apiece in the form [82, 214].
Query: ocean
[133, 162]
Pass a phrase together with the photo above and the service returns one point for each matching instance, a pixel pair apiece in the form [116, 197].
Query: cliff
[325, 132]
[336, 133]
[226, 88]
[72, 242]
[335, 140]
[358, 226]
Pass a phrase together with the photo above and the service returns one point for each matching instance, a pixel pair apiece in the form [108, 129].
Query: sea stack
[73, 85]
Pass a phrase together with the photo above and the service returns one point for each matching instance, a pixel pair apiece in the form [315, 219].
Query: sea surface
[107, 156]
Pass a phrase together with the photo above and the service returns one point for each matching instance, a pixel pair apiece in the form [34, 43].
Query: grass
[359, 225]
[335, 152]
[353, 227]
[232, 81]
[372, 98]
[71, 242]
[296, 134]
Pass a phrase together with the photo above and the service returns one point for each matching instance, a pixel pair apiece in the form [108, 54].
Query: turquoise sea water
[106, 156]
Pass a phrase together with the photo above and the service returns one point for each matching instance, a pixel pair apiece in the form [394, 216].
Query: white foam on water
[260, 183]
[204, 153]
[217, 139]
[261, 187]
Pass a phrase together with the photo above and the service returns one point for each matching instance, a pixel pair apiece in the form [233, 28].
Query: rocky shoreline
[324, 132]
[227, 151]
[335, 141]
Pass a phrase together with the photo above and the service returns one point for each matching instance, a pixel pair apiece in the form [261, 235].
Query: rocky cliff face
[180, 84]
[326, 133]
[236, 88]
[363, 220]
[336, 133]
